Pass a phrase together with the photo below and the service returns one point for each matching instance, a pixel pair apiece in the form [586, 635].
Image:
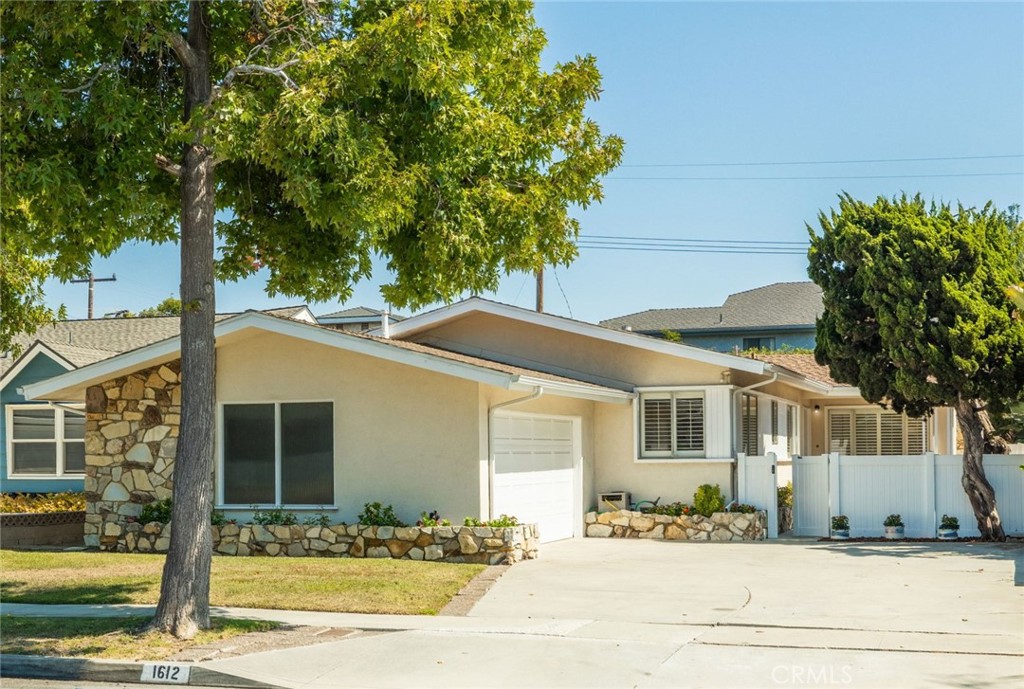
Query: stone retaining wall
[477, 544]
[720, 526]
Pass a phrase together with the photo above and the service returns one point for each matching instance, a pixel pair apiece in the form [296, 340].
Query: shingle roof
[84, 342]
[781, 304]
[361, 312]
[798, 362]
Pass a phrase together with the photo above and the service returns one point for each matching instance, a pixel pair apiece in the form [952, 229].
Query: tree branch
[106, 67]
[186, 56]
[237, 70]
[167, 165]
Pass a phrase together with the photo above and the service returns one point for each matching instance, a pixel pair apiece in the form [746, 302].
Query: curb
[78, 669]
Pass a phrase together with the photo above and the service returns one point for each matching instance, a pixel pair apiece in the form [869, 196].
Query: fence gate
[810, 496]
[756, 486]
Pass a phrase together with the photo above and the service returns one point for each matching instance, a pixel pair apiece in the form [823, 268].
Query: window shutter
[775, 422]
[865, 440]
[689, 424]
[750, 425]
[657, 415]
[790, 438]
[839, 434]
[891, 433]
[916, 444]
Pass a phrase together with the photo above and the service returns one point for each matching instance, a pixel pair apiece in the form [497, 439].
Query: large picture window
[875, 432]
[672, 424]
[278, 453]
[45, 441]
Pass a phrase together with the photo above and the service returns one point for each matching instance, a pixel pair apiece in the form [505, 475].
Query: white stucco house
[474, 409]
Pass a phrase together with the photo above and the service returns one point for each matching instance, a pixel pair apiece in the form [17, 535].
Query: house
[357, 319]
[42, 444]
[474, 409]
[777, 316]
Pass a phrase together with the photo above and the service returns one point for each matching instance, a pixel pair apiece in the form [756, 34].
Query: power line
[612, 237]
[695, 250]
[818, 177]
[829, 162]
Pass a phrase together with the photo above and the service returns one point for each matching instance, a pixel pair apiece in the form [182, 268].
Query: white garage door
[534, 473]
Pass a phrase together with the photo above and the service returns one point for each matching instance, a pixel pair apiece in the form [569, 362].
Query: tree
[916, 316]
[171, 306]
[426, 133]
[21, 293]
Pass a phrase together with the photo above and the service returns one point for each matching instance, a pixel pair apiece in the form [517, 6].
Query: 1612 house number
[165, 673]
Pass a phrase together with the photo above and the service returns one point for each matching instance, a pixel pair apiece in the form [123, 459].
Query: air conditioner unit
[613, 500]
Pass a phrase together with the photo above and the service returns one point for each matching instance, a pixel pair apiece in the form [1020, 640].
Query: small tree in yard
[331, 131]
[917, 316]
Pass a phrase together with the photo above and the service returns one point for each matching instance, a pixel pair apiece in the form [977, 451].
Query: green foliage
[672, 335]
[708, 499]
[503, 522]
[916, 313]
[840, 522]
[672, 509]
[159, 511]
[784, 495]
[217, 518]
[741, 508]
[171, 306]
[893, 520]
[375, 514]
[432, 519]
[949, 522]
[21, 293]
[321, 519]
[273, 517]
[40, 503]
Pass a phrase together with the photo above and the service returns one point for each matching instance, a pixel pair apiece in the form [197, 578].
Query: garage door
[534, 474]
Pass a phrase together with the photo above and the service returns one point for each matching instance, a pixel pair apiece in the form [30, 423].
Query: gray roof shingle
[780, 304]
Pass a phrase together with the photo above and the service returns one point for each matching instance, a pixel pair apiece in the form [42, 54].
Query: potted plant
[840, 527]
[893, 526]
[948, 528]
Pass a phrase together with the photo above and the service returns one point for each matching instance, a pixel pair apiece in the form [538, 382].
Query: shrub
[708, 499]
[893, 520]
[785, 495]
[273, 517]
[840, 522]
[49, 502]
[432, 519]
[375, 514]
[159, 511]
[741, 508]
[672, 509]
[317, 519]
[949, 522]
[502, 522]
[217, 518]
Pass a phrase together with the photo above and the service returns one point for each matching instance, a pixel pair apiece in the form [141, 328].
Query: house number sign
[165, 673]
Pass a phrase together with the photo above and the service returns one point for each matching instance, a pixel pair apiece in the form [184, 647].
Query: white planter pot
[894, 532]
[948, 534]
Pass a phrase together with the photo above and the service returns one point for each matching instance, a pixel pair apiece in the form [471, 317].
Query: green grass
[325, 584]
[108, 637]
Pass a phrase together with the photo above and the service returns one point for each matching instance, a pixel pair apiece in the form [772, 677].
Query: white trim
[267, 506]
[577, 390]
[58, 440]
[687, 392]
[685, 460]
[219, 475]
[170, 348]
[35, 349]
[421, 322]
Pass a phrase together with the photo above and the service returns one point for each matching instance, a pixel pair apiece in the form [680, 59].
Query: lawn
[325, 584]
[108, 637]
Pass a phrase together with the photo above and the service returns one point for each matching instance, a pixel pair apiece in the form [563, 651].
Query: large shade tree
[917, 316]
[325, 133]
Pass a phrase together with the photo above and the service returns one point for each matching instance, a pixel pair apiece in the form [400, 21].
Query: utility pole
[540, 290]
[92, 280]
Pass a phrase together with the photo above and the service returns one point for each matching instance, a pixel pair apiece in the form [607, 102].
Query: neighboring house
[42, 445]
[358, 319]
[776, 316]
[475, 409]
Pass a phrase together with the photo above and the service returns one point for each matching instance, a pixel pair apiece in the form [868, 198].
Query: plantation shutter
[689, 424]
[775, 422]
[750, 425]
[657, 426]
[790, 429]
[891, 433]
[865, 429]
[916, 429]
[839, 433]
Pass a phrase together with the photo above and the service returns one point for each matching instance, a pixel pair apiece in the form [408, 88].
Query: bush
[950, 522]
[840, 522]
[273, 517]
[320, 519]
[375, 514]
[432, 519]
[785, 495]
[159, 511]
[893, 520]
[40, 503]
[741, 508]
[672, 509]
[708, 499]
[502, 522]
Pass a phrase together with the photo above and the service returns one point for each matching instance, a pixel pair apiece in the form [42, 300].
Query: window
[672, 424]
[791, 430]
[775, 422]
[758, 343]
[748, 414]
[45, 441]
[278, 454]
[876, 432]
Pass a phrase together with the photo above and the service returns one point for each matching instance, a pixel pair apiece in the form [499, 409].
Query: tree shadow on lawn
[72, 593]
[1011, 550]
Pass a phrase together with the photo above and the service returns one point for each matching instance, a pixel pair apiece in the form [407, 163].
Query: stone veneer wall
[720, 526]
[479, 544]
[131, 438]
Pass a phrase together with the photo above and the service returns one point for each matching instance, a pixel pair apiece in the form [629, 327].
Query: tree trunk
[184, 606]
[974, 426]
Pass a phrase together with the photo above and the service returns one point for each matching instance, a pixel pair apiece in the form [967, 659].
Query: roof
[779, 305]
[798, 362]
[82, 342]
[359, 313]
[71, 385]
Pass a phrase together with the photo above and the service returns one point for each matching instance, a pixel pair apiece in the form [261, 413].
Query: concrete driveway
[631, 613]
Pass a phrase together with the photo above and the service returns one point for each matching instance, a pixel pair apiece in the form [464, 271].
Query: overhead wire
[829, 162]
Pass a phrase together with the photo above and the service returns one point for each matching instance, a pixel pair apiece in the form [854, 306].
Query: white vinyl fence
[756, 482]
[920, 488]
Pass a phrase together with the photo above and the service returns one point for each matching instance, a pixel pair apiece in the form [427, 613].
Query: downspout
[490, 442]
[737, 435]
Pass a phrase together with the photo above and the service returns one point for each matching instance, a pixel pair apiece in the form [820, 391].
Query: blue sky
[727, 82]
